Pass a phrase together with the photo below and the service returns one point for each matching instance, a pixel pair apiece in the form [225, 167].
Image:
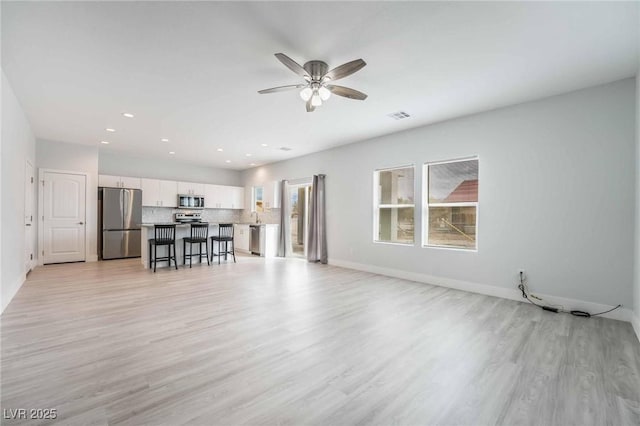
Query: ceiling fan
[318, 79]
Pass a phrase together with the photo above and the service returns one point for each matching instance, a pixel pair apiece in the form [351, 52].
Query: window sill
[467, 250]
[391, 243]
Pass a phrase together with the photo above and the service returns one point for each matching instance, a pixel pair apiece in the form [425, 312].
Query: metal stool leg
[175, 257]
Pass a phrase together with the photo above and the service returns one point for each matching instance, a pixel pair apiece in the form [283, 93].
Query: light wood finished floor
[286, 342]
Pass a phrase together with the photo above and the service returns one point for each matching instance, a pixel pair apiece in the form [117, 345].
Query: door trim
[41, 173]
[34, 244]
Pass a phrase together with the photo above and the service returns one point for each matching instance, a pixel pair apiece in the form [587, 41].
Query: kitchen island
[182, 230]
[268, 243]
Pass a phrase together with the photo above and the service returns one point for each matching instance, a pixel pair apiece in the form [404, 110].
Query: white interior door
[28, 217]
[64, 219]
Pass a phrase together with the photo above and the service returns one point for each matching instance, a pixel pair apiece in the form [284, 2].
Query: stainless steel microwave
[186, 201]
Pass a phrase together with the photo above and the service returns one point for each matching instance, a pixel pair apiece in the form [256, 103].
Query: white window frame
[377, 207]
[254, 198]
[426, 205]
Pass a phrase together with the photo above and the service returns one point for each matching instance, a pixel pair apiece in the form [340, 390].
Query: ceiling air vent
[285, 148]
[399, 115]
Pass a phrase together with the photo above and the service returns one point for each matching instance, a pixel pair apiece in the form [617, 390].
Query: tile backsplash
[270, 216]
[166, 214]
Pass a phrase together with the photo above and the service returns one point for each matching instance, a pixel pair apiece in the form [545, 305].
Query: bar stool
[199, 235]
[165, 235]
[225, 235]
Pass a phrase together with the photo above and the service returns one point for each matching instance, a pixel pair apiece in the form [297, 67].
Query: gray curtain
[317, 238]
[284, 220]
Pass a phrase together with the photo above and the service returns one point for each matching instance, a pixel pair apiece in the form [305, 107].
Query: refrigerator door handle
[122, 207]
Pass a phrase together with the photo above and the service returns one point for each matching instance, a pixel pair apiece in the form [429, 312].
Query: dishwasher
[255, 240]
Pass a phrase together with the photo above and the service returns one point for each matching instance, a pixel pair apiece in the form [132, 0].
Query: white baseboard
[635, 322]
[14, 290]
[92, 258]
[622, 314]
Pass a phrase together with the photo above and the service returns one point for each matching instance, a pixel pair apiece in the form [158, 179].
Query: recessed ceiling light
[164, 140]
[252, 164]
[219, 150]
[109, 129]
[127, 114]
[171, 152]
[227, 161]
[264, 144]
[248, 155]
[104, 142]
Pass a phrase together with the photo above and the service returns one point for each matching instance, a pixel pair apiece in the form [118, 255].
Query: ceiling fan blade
[347, 92]
[293, 66]
[310, 108]
[344, 70]
[281, 88]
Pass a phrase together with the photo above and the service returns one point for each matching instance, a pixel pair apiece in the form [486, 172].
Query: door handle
[80, 223]
[27, 224]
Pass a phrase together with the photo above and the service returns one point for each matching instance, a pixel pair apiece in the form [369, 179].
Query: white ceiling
[190, 72]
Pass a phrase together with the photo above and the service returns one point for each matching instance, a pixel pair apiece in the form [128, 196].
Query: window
[452, 204]
[394, 205]
[257, 204]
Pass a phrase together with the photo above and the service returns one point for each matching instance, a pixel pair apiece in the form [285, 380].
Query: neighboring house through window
[451, 211]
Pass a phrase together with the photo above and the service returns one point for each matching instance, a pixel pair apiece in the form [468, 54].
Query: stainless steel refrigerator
[120, 217]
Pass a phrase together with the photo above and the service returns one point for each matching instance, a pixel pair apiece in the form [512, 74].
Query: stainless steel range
[188, 217]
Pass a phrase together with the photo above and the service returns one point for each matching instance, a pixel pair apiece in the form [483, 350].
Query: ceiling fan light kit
[317, 76]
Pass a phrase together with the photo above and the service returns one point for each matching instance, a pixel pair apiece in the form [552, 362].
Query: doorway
[298, 199]
[63, 217]
[28, 217]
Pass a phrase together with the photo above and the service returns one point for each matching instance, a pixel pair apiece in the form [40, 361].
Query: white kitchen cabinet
[214, 196]
[269, 240]
[223, 197]
[191, 188]
[110, 181]
[241, 235]
[271, 194]
[130, 182]
[159, 193]
[237, 197]
[168, 193]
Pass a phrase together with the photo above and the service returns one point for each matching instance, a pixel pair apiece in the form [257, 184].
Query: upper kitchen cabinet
[191, 188]
[159, 193]
[237, 197]
[109, 181]
[223, 197]
[271, 195]
[214, 196]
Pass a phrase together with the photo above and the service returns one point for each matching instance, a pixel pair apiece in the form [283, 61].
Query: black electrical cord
[588, 315]
[575, 313]
[524, 293]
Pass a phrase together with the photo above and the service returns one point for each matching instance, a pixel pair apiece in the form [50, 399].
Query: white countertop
[150, 225]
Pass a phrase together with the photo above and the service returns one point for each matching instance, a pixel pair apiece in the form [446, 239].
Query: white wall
[18, 146]
[122, 165]
[75, 158]
[557, 181]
